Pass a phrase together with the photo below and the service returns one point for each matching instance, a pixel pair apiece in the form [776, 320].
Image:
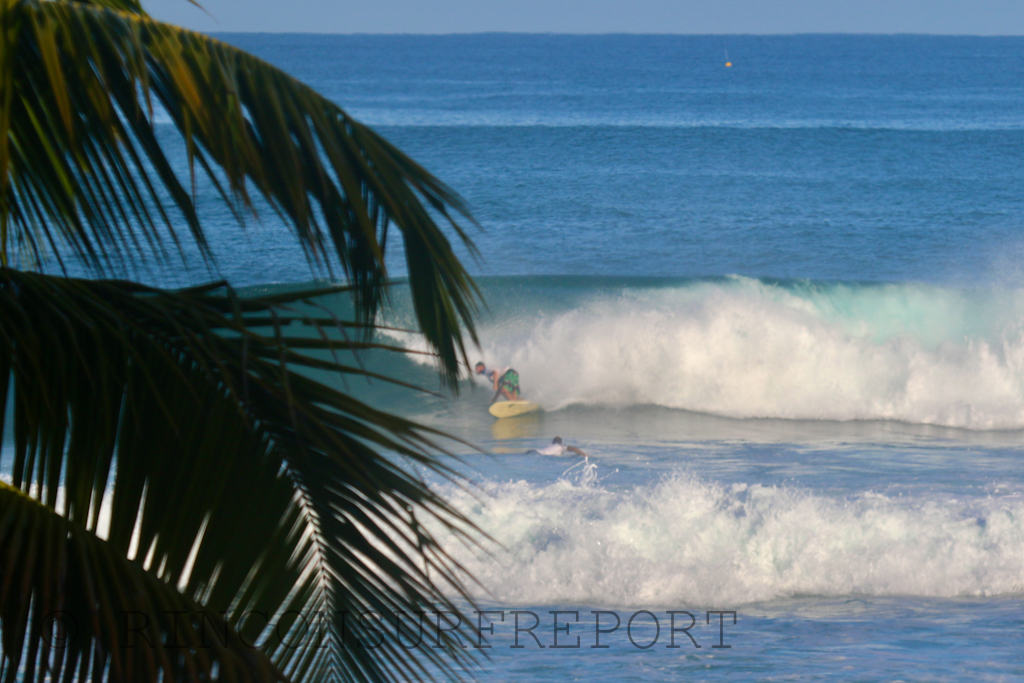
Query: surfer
[557, 448]
[506, 381]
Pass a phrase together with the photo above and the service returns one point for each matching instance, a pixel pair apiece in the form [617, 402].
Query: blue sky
[981, 17]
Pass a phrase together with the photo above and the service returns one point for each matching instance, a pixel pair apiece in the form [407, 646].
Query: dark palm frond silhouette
[190, 497]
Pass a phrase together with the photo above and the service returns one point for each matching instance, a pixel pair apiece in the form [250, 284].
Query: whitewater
[746, 348]
[687, 541]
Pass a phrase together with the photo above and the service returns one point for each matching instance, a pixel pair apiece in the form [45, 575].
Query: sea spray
[685, 540]
[745, 348]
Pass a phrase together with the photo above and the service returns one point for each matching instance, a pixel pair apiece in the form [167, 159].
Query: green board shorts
[510, 381]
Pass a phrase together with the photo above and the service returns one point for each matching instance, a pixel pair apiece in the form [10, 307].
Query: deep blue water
[781, 305]
[830, 157]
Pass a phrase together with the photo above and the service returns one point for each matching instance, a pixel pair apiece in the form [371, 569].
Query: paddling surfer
[558, 448]
[505, 380]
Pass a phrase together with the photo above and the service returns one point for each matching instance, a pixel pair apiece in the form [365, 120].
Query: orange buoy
[728, 63]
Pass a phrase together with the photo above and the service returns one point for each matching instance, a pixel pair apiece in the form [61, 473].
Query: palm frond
[231, 473]
[82, 171]
[73, 608]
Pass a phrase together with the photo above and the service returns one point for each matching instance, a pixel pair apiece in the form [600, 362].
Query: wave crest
[750, 349]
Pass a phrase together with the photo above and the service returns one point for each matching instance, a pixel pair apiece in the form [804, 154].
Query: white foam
[684, 541]
[746, 349]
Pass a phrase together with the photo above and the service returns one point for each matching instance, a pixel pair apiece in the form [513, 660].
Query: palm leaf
[82, 172]
[94, 615]
[236, 482]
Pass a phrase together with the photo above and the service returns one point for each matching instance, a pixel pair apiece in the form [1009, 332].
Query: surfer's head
[557, 440]
[480, 368]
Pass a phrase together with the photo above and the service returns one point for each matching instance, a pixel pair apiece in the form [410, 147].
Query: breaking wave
[747, 348]
[687, 541]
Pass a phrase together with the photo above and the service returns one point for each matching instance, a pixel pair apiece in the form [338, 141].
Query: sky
[975, 17]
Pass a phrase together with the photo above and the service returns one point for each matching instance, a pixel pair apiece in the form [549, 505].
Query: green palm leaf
[236, 481]
[82, 172]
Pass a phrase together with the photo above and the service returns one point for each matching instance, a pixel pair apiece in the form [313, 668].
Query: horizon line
[894, 34]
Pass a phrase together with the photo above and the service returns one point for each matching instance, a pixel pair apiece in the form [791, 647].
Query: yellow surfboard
[512, 408]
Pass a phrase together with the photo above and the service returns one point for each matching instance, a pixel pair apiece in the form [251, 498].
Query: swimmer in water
[557, 448]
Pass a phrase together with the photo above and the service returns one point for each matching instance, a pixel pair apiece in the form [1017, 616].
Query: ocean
[780, 305]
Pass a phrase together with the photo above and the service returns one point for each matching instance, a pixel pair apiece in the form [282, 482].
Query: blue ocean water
[893, 158]
[781, 307]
